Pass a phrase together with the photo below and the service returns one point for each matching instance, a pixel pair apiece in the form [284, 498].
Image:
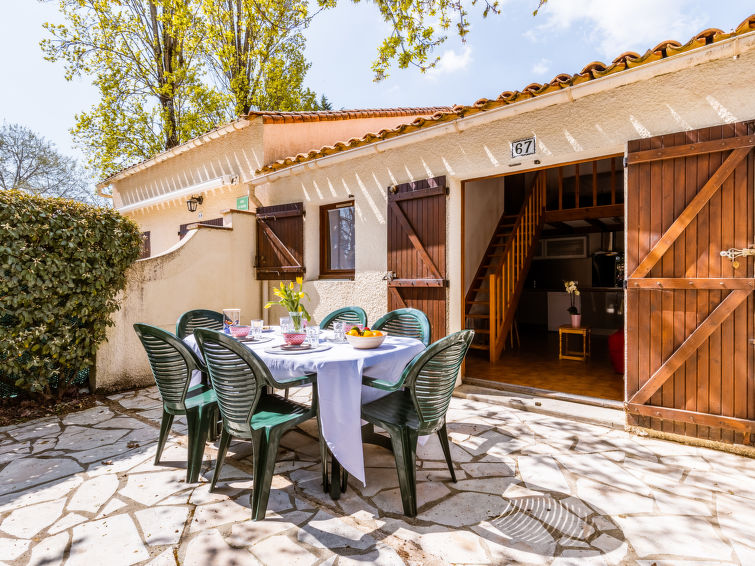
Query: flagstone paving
[532, 489]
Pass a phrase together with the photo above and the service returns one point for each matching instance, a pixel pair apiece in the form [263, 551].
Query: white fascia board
[202, 187]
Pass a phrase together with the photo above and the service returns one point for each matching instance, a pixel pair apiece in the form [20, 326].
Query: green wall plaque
[242, 203]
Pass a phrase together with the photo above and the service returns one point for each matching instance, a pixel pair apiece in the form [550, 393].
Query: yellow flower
[291, 285]
[299, 281]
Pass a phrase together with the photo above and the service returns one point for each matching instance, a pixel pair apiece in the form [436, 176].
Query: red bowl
[240, 331]
[294, 338]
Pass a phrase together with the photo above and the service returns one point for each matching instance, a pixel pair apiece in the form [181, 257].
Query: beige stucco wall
[163, 221]
[160, 289]
[286, 140]
[238, 153]
[707, 93]
[483, 207]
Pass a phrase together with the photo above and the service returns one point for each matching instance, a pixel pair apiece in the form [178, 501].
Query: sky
[502, 52]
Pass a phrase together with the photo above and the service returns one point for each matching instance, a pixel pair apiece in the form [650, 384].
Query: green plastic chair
[420, 408]
[411, 323]
[172, 364]
[249, 411]
[349, 315]
[189, 321]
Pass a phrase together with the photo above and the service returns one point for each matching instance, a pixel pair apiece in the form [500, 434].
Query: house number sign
[520, 148]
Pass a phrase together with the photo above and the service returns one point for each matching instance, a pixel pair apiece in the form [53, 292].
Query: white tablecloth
[339, 386]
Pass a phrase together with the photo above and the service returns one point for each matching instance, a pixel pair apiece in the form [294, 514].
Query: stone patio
[532, 489]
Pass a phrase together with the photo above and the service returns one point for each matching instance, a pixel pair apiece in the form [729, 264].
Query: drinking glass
[339, 332]
[257, 328]
[313, 335]
[286, 325]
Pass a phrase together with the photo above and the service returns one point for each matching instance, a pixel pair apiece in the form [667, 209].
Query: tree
[30, 163]
[255, 49]
[414, 35]
[323, 104]
[145, 57]
[150, 60]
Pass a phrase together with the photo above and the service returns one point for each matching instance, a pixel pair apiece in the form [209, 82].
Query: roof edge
[564, 81]
[268, 117]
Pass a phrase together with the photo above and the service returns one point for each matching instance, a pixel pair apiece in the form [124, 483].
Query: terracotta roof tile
[592, 71]
[276, 117]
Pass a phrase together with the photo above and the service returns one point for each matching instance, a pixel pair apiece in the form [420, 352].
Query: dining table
[339, 368]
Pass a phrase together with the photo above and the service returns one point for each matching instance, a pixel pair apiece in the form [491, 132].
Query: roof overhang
[219, 132]
[203, 187]
[728, 48]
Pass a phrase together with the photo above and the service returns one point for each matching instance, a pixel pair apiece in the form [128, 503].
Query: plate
[283, 349]
[252, 342]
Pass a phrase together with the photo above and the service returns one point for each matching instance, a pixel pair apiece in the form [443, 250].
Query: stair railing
[505, 284]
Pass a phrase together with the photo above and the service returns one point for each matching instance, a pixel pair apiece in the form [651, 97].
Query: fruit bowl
[240, 331]
[294, 338]
[365, 343]
[347, 326]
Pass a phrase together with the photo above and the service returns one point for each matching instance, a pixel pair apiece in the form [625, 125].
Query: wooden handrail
[506, 286]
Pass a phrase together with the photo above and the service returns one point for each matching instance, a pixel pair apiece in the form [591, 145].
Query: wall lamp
[192, 203]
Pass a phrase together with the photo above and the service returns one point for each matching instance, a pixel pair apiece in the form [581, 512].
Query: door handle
[389, 276]
[734, 253]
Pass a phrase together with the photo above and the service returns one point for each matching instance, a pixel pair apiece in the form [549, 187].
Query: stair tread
[477, 302]
[478, 315]
[479, 346]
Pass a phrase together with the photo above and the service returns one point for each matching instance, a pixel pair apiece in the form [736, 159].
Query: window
[337, 240]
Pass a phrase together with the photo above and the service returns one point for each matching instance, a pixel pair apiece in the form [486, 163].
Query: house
[634, 178]
[213, 170]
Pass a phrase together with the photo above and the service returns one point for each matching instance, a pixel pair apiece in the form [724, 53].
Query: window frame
[325, 271]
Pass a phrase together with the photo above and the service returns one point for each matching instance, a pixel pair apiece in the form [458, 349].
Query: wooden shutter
[146, 248]
[417, 249]
[280, 241]
[183, 229]
[690, 328]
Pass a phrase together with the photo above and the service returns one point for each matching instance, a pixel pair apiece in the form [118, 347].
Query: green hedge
[62, 264]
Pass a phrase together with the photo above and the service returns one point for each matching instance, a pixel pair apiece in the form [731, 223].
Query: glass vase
[296, 321]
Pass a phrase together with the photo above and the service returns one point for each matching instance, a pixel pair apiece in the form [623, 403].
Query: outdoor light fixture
[192, 203]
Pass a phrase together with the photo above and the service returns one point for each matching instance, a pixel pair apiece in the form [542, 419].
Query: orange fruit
[377, 333]
[354, 332]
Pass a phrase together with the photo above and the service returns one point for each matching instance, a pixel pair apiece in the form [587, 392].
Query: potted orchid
[571, 288]
[290, 297]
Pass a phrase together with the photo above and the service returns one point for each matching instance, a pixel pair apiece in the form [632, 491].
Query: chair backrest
[237, 375]
[189, 321]
[172, 363]
[411, 323]
[349, 315]
[431, 377]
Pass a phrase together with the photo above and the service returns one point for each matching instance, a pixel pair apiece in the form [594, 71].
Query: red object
[294, 338]
[240, 331]
[616, 350]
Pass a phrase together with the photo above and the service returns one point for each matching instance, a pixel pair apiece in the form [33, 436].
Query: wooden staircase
[492, 298]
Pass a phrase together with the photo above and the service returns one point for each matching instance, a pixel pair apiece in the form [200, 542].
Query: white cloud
[616, 26]
[451, 62]
[541, 67]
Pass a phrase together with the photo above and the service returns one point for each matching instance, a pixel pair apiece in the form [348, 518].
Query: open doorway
[532, 232]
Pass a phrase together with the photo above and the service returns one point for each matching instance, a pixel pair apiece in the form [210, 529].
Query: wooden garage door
[417, 249]
[690, 355]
